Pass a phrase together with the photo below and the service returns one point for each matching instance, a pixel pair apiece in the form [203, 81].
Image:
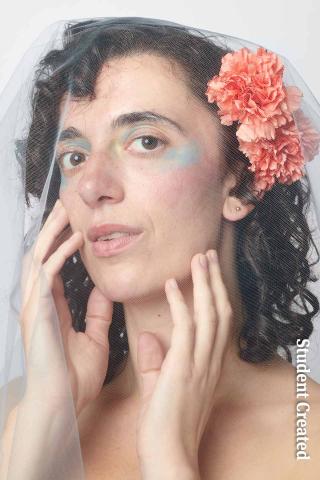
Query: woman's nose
[99, 181]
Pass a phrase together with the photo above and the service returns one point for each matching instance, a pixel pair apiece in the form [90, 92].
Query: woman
[166, 382]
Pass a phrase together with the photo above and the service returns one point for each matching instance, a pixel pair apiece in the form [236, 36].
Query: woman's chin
[118, 289]
[127, 291]
[123, 282]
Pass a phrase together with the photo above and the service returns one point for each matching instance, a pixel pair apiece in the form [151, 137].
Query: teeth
[113, 235]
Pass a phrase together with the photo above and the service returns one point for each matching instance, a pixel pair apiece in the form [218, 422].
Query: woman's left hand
[178, 390]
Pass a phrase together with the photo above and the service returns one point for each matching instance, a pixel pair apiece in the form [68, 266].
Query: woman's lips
[105, 229]
[107, 248]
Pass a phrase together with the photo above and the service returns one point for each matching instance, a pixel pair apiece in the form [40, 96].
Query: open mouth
[107, 247]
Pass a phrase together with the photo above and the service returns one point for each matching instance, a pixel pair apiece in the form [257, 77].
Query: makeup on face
[180, 156]
[175, 156]
[183, 156]
[72, 145]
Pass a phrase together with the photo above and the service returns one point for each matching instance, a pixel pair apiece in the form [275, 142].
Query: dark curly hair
[272, 241]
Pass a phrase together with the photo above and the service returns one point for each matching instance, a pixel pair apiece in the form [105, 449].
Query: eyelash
[161, 140]
[60, 156]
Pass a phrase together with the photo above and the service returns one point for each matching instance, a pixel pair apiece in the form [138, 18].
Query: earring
[238, 208]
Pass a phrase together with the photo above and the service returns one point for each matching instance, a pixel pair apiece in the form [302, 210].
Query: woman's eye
[147, 142]
[68, 160]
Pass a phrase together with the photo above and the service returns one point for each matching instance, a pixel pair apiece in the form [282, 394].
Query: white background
[288, 27]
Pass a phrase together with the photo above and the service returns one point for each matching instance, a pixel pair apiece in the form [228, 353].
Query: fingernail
[212, 254]
[203, 261]
[172, 283]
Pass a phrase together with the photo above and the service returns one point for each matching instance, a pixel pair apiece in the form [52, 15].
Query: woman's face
[159, 174]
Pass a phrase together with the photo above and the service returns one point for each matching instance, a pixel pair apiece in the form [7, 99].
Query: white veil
[43, 441]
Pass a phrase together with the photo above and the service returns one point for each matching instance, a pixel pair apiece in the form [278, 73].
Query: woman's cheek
[181, 174]
[182, 157]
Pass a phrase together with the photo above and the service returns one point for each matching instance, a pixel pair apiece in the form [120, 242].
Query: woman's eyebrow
[135, 117]
[123, 120]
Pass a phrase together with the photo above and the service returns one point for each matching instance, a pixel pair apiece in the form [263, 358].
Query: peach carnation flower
[280, 158]
[309, 136]
[249, 89]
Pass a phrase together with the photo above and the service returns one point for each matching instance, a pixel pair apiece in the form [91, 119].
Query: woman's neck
[153, 314]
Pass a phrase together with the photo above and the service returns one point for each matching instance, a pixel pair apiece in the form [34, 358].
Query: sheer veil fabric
[276, 260]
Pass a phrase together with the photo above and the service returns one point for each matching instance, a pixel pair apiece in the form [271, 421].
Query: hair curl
[271, 256]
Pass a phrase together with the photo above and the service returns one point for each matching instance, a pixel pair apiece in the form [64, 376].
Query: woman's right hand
[45, 311]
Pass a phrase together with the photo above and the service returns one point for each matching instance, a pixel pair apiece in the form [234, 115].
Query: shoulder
[294, 416]
[265, 426]
[307, 466]
[307, 426]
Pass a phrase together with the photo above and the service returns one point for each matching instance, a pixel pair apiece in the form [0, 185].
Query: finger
[205, 315]
[99, 317]
[42, 284]
[49, 219]
[31, 266]
[62, 306]
[182, 339]
[48, 240]
[61, 237]
[54, 264]
[150, 356]
[54, 210]
[38, 322]
[49, 234]
[35, 285]
[223, 306]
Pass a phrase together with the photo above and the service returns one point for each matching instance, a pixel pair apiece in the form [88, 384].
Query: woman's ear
[233, 208]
